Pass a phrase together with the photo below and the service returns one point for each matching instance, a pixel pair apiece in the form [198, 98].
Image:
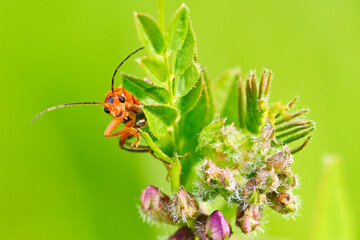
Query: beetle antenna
[65, 105]
[113, 77]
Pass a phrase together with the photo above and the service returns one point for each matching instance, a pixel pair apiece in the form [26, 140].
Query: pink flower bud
[183, 206]
[248, 218]
[183, 233]
[154, 204]
[217, 227]
[283, 202]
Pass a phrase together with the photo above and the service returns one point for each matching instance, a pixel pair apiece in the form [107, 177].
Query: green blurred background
[62, 179]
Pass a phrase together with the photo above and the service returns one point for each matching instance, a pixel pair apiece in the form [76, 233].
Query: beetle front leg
[132, 132]
[128, 130]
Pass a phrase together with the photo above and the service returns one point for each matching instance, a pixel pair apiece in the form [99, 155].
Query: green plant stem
[155, 148]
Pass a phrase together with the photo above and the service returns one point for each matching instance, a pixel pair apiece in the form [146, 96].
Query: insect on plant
[219, 141]
[124, 107]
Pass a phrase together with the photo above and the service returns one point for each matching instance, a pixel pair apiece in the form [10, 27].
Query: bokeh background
[60, 178]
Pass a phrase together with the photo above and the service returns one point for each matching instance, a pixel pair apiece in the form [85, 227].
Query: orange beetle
[124, 107]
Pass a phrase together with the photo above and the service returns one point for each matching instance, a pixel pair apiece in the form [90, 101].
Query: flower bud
[217, 227]
[280, 161]
[154, 204]
[267, 180]
[251, 194]
[248, 217]
[211, 171]
[215, 180]
[263, 141]
[183, 206]
[288, 180]
[283, 203]
[183, 233]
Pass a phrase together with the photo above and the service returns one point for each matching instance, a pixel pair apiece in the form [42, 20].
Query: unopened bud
[263, 141]
[248, 218]
[183, 206]
[267, 180]
[154, 204]
[183, 233]
[283, 202]
[217, 227]
[288, 180]
[255, 197]
[215, 180]
[280, 161]
[252, 194]
[211, 171]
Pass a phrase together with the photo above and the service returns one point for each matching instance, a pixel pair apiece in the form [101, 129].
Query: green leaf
[149, 33]
[178, 28]
[159, 118]
[209, 92]
[186, 53]
[189, 101]
[224, 88]
[175, 175]
[333, 212]
[191, 125]
[186, 81]
[155, 69]
[197, 117]
[145, 92]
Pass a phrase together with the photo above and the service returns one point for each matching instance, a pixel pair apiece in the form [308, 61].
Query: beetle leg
[127, 131]
[131, 132]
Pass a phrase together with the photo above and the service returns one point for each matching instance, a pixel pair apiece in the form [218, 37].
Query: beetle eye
[122, 99]
[106, 110]
[110, 99]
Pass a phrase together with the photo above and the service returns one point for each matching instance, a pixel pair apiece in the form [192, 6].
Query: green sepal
[175, 174]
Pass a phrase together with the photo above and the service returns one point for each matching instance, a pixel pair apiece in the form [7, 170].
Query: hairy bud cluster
[216, 180]
[159, 207]
[262, 177]
[223, 143]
